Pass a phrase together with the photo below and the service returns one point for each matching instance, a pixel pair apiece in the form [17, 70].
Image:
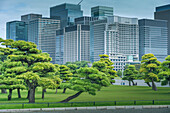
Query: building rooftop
[163, 8]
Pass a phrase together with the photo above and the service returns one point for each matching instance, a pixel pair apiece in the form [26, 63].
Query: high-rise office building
[77, 43]
[85, 20]
[153, 37]
[28, 17]
[66, 13]
[83, 35]
[115, 36]
[16, 30]
[163, 13]
[101, 11]
[42, 32]
[60, 46]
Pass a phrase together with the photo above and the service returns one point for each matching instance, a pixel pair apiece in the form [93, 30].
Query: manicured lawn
[112, 93]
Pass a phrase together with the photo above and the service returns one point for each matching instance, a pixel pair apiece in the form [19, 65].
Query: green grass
[123, 95]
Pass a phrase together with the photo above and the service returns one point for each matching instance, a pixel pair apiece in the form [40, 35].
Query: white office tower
[77, 43]
[115, 36]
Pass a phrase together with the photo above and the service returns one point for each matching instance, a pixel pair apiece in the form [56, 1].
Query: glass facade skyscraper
[115, 36]
[153, 37]
[101, 11]
[59, 46]
[28, 17]
[66, 13]
[42, 32]
[16, 30]
[163, 13]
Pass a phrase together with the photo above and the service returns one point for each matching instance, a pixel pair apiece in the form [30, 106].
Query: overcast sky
[12, 9]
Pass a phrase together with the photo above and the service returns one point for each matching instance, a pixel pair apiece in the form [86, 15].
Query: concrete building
[163, 13]
[42, 32]
[101, 11]
[28, 17]
[85, 20]
[66, 13]
[77, 43]
[153, 38]
[16, 30]
[68, 34]
[114, 36]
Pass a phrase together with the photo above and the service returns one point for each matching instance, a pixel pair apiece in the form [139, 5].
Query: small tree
[4, 52]
[130, 74]
[47, 83]
[150, 69]
[165, 73]
[119, 73]
[65, 76]
[8, 80]
[105, 65]
[90, 80]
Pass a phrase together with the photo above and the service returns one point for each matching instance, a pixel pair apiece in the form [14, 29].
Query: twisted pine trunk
[10, 94]
[133, 83]
[32, 95]
[129, 83]
[19, 93]
[154, 86]
[64, 91]
[43, 91]
[28, 94]
[148, 84]
[72, 97]
[3, 91]
[56, 91]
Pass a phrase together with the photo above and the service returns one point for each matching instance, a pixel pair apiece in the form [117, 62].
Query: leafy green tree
[130, 74]
[90, 80]
[79, 63]
[66, 76]
[47, 83]
[47, 71]
[105, 65]
[119, 73]
[4, 52]
[35, 65]
[8, 78]
[150, 69]
[165, 73]
[73, 68]
[137, 66]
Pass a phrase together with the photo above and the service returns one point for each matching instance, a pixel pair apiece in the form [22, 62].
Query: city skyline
[12, 10]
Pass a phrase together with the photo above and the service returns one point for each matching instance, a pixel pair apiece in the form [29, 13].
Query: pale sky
[13, 9]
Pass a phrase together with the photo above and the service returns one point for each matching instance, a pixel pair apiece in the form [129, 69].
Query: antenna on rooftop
[80, 2]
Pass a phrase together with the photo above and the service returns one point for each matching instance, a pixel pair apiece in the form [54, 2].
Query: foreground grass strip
[123, 95]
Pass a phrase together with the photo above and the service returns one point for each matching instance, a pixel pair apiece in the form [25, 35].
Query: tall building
[66, 13]
[77, 43]
[114, 36]
[85, 20]
[101, 11]
[16, 30]
[28, 17]
[60, 46]
[42, 32]
[163, 13]
[153, 38]
[82, 28]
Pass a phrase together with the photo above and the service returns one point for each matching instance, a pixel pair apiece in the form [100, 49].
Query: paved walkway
[105, 109]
